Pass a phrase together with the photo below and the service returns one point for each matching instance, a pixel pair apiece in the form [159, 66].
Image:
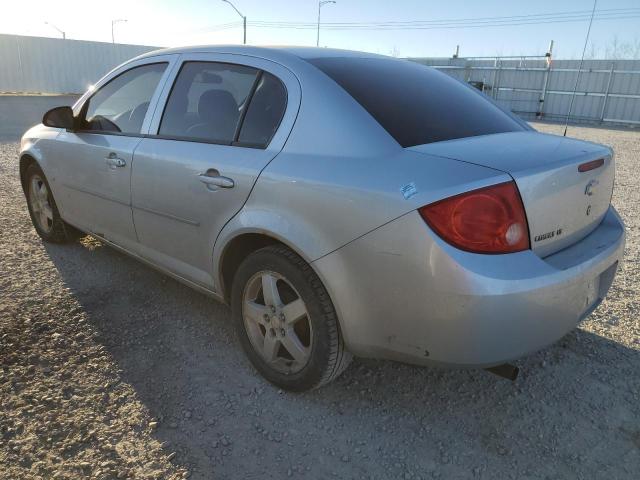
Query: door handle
[114, 161]
[212, 178]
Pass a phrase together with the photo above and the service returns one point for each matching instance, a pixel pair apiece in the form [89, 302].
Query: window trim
[245, 107]
[286, 104]
[85, 105]
[208, 142]
[243, 113]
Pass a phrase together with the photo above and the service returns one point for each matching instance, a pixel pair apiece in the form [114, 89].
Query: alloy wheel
[277, 322]
[40, 206]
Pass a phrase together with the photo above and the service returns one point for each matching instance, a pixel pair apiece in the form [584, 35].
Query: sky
[189, 22]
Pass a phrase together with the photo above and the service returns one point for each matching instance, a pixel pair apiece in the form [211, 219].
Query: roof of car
[265, 52]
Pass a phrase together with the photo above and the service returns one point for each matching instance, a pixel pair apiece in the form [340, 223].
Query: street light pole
[64, 35]
[320, 5]
[113, 22]
[244, 20]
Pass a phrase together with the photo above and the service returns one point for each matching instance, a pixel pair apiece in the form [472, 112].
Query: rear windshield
[414, 103]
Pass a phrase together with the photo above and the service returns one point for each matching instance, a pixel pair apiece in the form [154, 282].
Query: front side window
[414, 103]
[206, 102]
[121, 105]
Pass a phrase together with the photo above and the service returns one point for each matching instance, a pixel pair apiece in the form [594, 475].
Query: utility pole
[320, 5]
[113, 22]
[244, 20]
[64, 35]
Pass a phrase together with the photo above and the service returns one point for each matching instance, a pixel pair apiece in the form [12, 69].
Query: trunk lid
[563, 204]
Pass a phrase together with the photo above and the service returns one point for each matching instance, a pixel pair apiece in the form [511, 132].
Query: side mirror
[59, 117]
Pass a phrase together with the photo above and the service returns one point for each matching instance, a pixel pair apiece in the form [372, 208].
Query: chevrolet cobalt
[342, 203]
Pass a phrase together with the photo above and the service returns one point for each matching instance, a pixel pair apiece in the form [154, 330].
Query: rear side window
[207, 100]
[265, 112]
[121, 104]
[414, 103]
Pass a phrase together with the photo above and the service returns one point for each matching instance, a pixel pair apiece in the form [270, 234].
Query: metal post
[495, 77]
[606, 93]
[584, 50]
[113, 22]
[545, 81]
[318, 29]
[320, 4]
[22, 76]
[457, 54]
[244, 25]
[496, 85]
[244, 21]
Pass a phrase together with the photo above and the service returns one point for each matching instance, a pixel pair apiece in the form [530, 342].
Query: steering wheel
[103, 123]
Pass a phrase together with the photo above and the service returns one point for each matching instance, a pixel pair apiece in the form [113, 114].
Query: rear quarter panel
[316, 204]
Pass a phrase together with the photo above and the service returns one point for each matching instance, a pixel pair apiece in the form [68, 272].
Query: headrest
[217, 105]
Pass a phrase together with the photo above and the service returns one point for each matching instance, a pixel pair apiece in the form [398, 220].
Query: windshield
[414, 103]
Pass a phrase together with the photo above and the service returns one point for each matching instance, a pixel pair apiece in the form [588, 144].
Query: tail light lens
[487, 220]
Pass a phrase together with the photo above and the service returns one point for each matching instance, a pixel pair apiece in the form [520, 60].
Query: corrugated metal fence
[608, 90]
[52, 65]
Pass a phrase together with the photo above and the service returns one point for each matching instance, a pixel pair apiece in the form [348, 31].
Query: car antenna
[575, 87]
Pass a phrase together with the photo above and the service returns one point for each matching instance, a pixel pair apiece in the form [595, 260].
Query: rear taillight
[592, 165]
[487, 220]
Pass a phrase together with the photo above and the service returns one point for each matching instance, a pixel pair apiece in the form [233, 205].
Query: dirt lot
[110, 370]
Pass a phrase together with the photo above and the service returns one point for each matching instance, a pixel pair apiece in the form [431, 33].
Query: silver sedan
[342, 203]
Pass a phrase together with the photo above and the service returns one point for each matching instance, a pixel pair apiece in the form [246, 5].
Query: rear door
[218, 124]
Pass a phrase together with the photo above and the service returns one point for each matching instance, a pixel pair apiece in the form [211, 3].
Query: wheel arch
[26, 159]
[238, 247]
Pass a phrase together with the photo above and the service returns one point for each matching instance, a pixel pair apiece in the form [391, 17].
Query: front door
[95, 160]
[213, 139]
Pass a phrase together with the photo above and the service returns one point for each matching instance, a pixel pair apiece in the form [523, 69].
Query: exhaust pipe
[506, 370]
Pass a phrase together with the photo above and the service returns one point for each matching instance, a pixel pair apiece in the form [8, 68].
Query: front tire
[285, 320]
[43, 209]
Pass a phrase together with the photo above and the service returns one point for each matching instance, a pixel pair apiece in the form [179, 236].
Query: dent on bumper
[404, 294]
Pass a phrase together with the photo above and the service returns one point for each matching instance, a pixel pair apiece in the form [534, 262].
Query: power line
[540, 16]
[549, 20]
[481, 22]
[446, 27]
[222, 26]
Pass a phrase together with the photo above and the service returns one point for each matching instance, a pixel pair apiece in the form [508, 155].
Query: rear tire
[286, 322]
[43, 209]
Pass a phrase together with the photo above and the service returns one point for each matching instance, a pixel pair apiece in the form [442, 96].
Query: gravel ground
[111, 370]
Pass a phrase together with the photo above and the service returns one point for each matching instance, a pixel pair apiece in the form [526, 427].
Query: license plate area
[597, 289]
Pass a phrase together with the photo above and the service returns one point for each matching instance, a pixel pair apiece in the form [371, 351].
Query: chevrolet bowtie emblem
[590, 186]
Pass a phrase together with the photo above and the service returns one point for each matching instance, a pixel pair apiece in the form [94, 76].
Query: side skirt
[188, 283]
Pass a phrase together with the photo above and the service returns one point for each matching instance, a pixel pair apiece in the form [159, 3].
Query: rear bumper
[404, 294]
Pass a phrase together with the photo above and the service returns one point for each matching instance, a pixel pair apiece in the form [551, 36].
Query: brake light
[487, 220]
